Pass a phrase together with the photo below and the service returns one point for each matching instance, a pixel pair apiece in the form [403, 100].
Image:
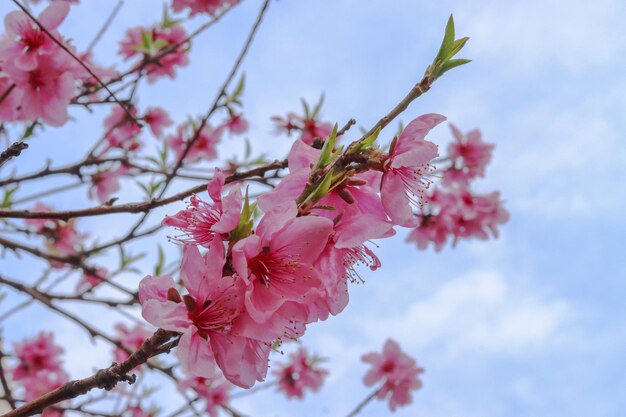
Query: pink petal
[54, 14]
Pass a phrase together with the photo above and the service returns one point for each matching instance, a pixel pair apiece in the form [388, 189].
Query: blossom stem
[363, 403]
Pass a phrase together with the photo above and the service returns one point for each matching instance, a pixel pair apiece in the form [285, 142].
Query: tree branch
[142, 207]
[106, 378]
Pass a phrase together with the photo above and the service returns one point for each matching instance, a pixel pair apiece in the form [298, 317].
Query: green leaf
[158, 269]
[457, 46]
[448, 40]
[28, 132]
[307, 110]
[326, 155]
[453, 63]
[368, 141]
[7, 199]
[241, 85]
[318, 107]
[323, 188]
[246, 221]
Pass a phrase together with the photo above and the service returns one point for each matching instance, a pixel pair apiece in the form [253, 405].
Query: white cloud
[481, 312]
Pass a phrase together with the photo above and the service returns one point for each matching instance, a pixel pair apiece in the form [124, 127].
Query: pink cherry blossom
[121, 130]
[11, 97]
[458, 213]
[469, 153]
[205, 317]
[404, 183]
[46, 89]
[37, 354]
[43, 382]
[355, 222]
[276, 263]
[202, 221]
[203, 147]
[25, 43]
[158, 119]
[131, 339]
[211, 7]
[137, 411]
[160, 63]
[300, 374]
[106, 183]
[397, 371]
[62, 238]
[40, 225]
[237, 124]
[309, 127]
[215, 391]
[90, 280]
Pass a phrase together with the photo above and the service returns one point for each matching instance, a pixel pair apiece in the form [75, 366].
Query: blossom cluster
[62, 238]
[39, 368]
[299, 374]
[247, 285]
[38, 76]
[397, 371]
[452, 210]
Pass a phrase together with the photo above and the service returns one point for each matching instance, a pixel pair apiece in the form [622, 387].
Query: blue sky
[529, 324]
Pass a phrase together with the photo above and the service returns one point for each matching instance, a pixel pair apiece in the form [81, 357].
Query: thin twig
[141, 207]
[8, 395]
[105, 26]
[363, 403]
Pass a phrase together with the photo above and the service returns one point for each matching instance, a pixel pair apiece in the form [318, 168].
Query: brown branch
[12, 151]
[418, 89]
[77, 59]
[73, 169]
[106, 378]
[141, 207]
[8, 395]
[75, 260]
[46, 300]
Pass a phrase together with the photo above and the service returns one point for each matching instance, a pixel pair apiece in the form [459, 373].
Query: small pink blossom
[37, 354]
[237, 124]
[42, 383]
[300, 374]
[309, 127]
[91, 280]
[404, 182]
[163, 39]
[203, 148]
[106, 183]
[131, 339]
[211, 7]
[215, 391]
[62, 238]
[398, 372]
[470, 155]
[137, 411]
[202, 221]
[158, 119]
[121, 130]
